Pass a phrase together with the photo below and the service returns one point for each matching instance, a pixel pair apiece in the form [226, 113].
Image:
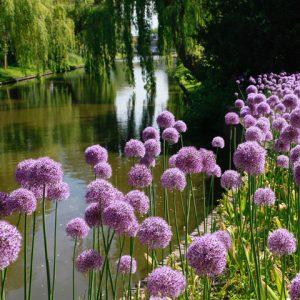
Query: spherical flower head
[10, 244]
[250, 157]
[263, 108]
[23, 171]
[254, 134]
[281, 145]
[127, 264]
[172, 161]
[224, 237]
[155, 233]
[232, 118]
[189, 160]
[132, 232]
[264, 197]
[273, 100]
[290, 101]
[134, 148]
[279, 123]
[251, 89]
[23, 201]
[89, 260]
[295, 154]
[173, 179]
[170, 135]
[46, 171]
[269, 136]
[148, 161]
[259, 98]
[5, 208]
[290, 134]
[245, 111]
[287, 117]
[218, 142]
[152, 147]
[217, 172]
[280, 108]
[207, 255]
[231, 180]
[180, 126]
[150, 133]
[59, 192]
[139, 176]
[100, 191]
[119, 215]
[239, 103]
[92, 215]
[165, 119]
[295, 118]
[103, 170]
[249, 121]
[166, 282]
[138, 200]
[263, 124]
[283, 161]
[208, 160]
[95, 154]
[295, 288]
[296, 172]
[281, 242]
[77, 228]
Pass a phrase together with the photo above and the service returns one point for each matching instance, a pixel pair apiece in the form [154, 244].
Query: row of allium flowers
[248, 251]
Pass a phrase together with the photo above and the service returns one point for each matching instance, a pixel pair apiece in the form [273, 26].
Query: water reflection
[59, 117]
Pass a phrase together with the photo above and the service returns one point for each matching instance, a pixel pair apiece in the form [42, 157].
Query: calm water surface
[59, 117]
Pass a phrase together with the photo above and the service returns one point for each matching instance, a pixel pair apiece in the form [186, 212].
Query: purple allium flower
[10, 244]
[92, 215]
[280, 108]
[165, 119]
[150, 133]
[132, 231]
[295, 288]
[127, 264]
[208, 160]
[231, 180]
[166, 282]
[282, 161]
[45, 171]
[296, 171]
[23, 171]
[119, 215]
[295, 118]
[207, 255]
[170, 135]
[263, 108]
[172, 161]
[5, 208]
[281, 145]
[290, 134]
[173, 179]
[259, 98]
[138, 200]
[139, 176]
[217, 172]
[103, 170]
[281, 242]
[264, 196]
[279, 123]
[155, 232]
[251, 89]
[239, 103]
[232, 118]
[148, 161]
[100, 191]
[254, 134]
[59, 192]
[152, 147]
[290, 101]
[295, 154]
[95, 154]
[77, 228]
[287, 117]
[269, 136]
[249, 121]
[218, 142]
[224, 237]
[250, 157]
[263, 124]
[88, 260]
[180, 126]
[245, 111]
[273, 100]
[23, 201]
[134, 148]
[189, 160]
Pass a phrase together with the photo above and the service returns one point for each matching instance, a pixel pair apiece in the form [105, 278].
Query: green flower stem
[32, 256]
[131, 251]
[73, 269]
[121, 243]
[54, 250]
[25, 257]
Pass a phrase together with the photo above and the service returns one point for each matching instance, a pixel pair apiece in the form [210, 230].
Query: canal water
[59, 117]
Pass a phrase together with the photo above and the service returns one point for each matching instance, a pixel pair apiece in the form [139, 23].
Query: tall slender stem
[54, 250]
[32, 256]
[25, 257]
[131, 251]
[73, 269]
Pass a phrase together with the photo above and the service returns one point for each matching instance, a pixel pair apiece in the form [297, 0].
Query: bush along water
[247, 249]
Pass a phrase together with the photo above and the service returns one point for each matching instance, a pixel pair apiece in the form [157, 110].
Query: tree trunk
[5, 60]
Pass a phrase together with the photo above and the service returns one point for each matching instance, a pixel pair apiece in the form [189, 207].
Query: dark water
[59, 117]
